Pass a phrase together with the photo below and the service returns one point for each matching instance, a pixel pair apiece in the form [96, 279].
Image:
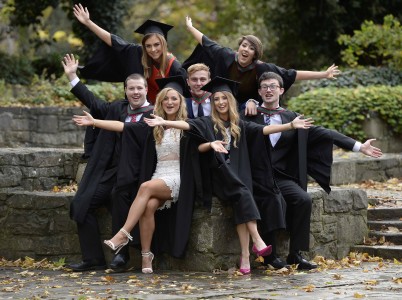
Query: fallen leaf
[397, 280]
[310, 288]
[358, 295]
[370, 282]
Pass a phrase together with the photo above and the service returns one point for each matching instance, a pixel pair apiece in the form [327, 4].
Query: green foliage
[15, 69]
[373, 44]
[54, 92]
[345, 109]
[355, 77]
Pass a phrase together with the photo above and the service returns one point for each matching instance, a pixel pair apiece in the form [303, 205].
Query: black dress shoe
[87, 266]
[297, 259]
[119, 262]
[275, 262]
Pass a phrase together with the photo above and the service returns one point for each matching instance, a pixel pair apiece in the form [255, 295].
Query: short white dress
[168, 163]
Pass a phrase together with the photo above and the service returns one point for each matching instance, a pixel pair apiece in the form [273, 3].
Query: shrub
[345, 109]
[378, 45]
[54, 92]
[15, 70]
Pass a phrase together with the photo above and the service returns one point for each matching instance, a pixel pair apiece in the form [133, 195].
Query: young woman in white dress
[163, 188]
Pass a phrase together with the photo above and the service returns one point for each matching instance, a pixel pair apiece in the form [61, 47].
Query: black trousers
[88, 231]
[122, 197]
[298, 215]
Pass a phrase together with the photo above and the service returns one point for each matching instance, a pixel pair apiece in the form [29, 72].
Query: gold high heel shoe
[117, 248]
[151, 256]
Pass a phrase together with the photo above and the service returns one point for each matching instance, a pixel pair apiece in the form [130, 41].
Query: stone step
[383, 224]
[387, 252]
[392, 237]
[384, 213]
[38, 168]
[354, 167]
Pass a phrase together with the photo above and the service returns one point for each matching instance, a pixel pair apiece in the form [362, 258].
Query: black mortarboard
[150, 26]
[220, 84]
[175, 82]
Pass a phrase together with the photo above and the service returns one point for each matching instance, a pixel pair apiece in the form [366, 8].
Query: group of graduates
[178, 138]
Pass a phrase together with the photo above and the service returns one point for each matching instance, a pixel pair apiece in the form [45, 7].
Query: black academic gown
[127, 177]
[229, 182]
[219, 59]
[104, 155]
[299, 153]
[172, 226]
[114, 64]
[266, 193]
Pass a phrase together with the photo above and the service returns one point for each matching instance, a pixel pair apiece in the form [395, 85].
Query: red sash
[153, 88]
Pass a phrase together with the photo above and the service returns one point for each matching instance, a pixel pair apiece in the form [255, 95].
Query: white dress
[168, 163]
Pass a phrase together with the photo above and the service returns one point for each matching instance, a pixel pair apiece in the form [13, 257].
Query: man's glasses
[271, 87]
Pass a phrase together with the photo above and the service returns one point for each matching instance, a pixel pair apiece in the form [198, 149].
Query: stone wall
[37, 224]
[40, 127]
[359, 168]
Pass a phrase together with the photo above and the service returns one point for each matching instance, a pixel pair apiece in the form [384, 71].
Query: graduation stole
[201, 99]
[244, 69]
[270, 112]
[134, 112]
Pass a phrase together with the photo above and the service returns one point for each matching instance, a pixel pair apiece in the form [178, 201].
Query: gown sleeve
[114, 64]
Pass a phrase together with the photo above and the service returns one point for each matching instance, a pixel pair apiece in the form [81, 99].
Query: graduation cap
[150, 26]
[220, 84]
[175, 82]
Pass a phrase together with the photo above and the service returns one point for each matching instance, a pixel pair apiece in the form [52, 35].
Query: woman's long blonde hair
[181, 114]
[233, 118]
[147, 61]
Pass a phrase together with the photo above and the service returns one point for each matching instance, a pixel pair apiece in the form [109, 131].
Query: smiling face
[196, 81]
[171, 104]
[221, 104]
[270, 92]
[246, 53]
[136, 92]
[153, 47]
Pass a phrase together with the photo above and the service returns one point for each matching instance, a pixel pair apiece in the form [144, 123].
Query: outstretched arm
[88, 120]
[370, 150]
[70, 65]
[217, 146]
[295, 124]
[330, 73]
[194, 31]
[82, 15]
[158, 121]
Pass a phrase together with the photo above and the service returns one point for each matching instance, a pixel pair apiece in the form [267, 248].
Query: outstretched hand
[70, 65]
[332, 72]
[370, 150]
[219, 146]
[299, 122]
[86, 120]
[81, 13]
[189, 23]
[156, 121]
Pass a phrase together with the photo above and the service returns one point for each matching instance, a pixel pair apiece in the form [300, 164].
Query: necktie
[133, 118]
[267, 119]
[200, 110]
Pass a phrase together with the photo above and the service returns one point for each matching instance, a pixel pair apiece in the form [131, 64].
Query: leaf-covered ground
[355, 276]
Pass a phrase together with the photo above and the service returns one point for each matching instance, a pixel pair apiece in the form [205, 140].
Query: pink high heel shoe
[244, 271]
[263, 252]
